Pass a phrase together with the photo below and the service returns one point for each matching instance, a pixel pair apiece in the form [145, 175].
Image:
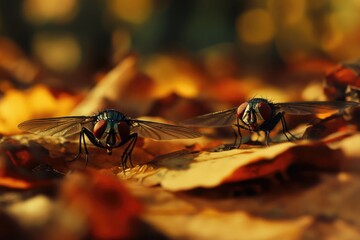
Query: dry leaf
[337, 81]
[19, 165]
[289, 211]
[184, 170]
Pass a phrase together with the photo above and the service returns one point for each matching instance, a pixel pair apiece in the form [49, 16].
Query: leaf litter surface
[184, 170]
[189, 189]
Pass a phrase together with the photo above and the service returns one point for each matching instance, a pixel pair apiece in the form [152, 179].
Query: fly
[259, 114]
[108, 129]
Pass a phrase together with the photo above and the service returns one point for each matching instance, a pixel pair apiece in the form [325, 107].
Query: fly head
[106, 133]
[254, 113]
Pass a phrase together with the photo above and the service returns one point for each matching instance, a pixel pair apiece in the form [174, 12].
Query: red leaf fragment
[104, 201]
[17, 162]
[317, 155]
[337, 81]
[327, 126]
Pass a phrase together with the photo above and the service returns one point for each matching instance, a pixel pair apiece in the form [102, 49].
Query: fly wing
[216, 119]
[162, 131]
[307, 108]
[57, 127]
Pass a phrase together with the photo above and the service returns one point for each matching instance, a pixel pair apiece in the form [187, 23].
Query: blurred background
[236, 47]
[75, 38]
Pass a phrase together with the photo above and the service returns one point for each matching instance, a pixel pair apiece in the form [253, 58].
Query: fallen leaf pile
[179, 189]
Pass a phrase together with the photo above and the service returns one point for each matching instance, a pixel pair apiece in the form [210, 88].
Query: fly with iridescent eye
[108, 129]
[259, 114]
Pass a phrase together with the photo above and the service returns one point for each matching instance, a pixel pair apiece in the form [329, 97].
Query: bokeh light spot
[287, 12]
[61, 53]
[133, 11]
[38, 11]
[335, 36]
[173, 75]
[121, 43]
[255, 27]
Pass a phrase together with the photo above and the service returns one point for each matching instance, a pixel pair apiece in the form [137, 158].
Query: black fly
[108, 129]
[259, 114]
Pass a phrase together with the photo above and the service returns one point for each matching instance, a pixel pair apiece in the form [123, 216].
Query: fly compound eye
[124, 130]
[241, 109]
[100, 128]
[265, 110]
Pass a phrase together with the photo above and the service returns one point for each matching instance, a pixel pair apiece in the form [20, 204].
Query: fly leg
[267, 138]
[81, 138]
[237, 134]
[234, 145]
[270, 126]
[286, 130]
[128, 150]
[278, 117]
[93, 140]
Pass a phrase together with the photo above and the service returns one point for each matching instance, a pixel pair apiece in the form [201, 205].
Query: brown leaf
[60, 153]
